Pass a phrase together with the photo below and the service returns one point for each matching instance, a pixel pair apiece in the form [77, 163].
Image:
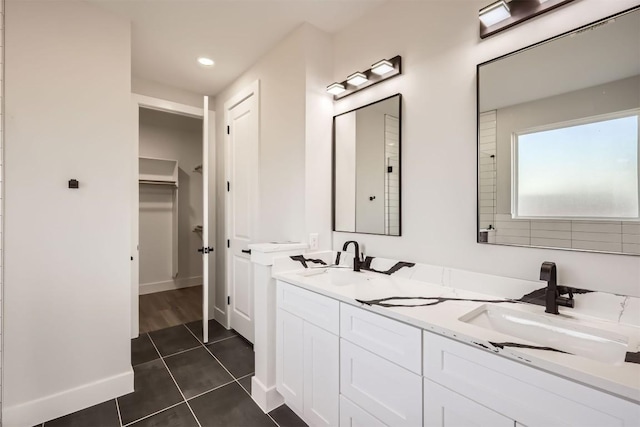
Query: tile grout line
[211, 342]
[118, 408]
[236, 380]
[217, 360]
[176, 383]
[154, 413]
[213, 389]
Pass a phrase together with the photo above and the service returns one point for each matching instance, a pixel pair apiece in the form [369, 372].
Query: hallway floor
[161, 310]
[181, 382]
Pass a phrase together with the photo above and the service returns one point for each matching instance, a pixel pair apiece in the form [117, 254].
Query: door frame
[143, 101]
[253, 89]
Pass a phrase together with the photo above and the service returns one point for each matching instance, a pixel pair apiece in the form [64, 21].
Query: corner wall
[439, 135]
[67, 264]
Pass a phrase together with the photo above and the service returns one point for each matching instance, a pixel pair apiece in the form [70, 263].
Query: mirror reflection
[558, 142]
[366, 168]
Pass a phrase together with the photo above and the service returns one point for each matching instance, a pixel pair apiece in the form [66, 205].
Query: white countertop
[621, 379]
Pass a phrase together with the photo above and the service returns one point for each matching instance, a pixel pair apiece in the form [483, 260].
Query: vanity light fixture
[382, 67]
[380, 71]
[502, 14]
[205, 62]
[357, 79]
[335, 88]
[494, 13]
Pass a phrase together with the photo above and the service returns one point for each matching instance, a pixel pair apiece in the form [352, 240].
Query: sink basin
[548, 330]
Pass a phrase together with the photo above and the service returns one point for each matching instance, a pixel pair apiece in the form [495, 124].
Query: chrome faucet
[552, 294]
[356, 258]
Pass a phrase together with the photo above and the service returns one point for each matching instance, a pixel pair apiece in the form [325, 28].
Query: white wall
[67, 252]
[162, 91]
[439, 135]
[170, 136]
[290, 78]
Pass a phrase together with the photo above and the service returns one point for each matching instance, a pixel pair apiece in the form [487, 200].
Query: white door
[445, 408]
[242, 191]
[290, 358]
[206, 250]
[321, 405]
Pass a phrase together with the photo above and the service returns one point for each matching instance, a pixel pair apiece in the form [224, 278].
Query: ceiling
[168, 35]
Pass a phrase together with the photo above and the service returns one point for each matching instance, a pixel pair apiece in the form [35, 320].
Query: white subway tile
[597, 246]
[596, 227]
[631, 248]
[630, 228]
[596, 237]
[551, 225]
[631, 238]
[551, 234]
[552, 243]
[518, 232]
[513, 240]
[520, 225]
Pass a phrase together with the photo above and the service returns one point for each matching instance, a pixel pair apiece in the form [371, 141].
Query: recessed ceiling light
[206, 62]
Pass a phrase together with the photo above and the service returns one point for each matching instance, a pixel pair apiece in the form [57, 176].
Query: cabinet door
[321, 376]
[388, 392]
[289, 358]
[445, 408]
[351, 415]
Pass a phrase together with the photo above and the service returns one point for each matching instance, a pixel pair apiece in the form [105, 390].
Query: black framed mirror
[558, 141]
[367, 168]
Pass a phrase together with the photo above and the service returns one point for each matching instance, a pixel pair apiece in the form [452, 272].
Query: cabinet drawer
[445, 408]
[351, 415]
[314, 308]
[523, 393]
[390, 393]
[393, 340]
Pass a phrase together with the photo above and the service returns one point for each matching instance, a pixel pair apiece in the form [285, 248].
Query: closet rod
[152, 182]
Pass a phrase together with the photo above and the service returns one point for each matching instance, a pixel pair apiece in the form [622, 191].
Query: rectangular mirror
[366, 168]
[558, 132]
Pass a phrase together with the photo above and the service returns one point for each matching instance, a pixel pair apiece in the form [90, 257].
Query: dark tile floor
[182, 382]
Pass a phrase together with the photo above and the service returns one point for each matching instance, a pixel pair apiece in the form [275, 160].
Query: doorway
[170, 232]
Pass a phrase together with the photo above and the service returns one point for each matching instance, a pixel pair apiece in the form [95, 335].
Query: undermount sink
[547, 330]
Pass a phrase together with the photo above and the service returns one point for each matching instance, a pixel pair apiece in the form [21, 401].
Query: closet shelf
[158, 171]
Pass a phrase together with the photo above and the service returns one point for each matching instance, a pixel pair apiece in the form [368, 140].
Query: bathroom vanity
[418, 345]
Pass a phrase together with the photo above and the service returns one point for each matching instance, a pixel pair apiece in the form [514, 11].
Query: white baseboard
[220, 316]
[150, 288]
[66, 402]
[267, 399]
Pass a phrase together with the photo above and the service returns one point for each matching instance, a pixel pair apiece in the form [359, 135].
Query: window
[586, 169]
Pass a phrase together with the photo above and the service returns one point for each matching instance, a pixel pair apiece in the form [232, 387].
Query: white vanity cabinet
[461, 380]
[337, 364]
[380, 368]
[445, 408]
[307, 354]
